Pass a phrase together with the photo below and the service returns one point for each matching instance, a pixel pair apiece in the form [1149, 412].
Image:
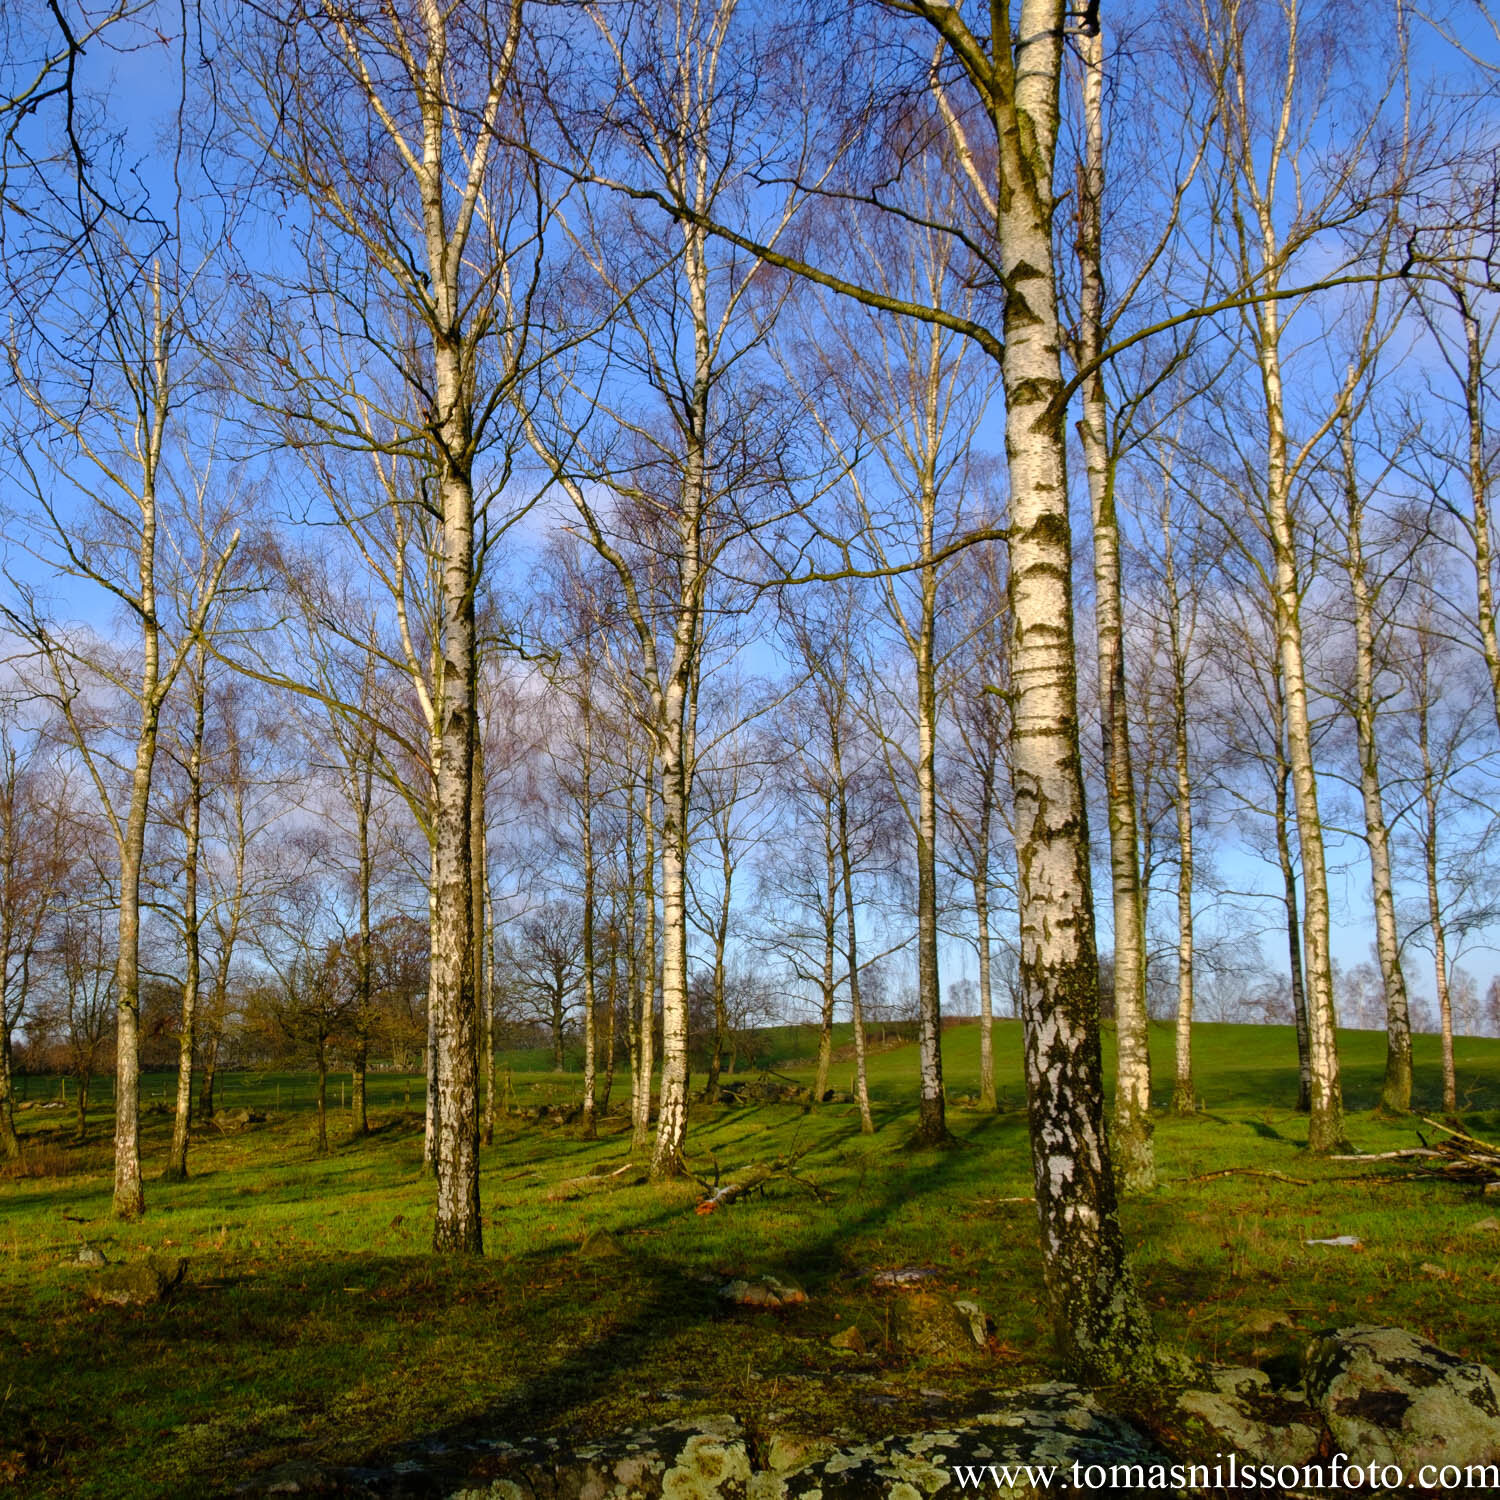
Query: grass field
[314, 1327]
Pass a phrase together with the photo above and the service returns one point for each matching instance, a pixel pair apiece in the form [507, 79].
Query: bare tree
[102, 484]
[388, 125]
[35, 800]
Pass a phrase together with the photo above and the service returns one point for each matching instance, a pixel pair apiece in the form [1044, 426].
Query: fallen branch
[754, 1179]
[1460, 1158]
[576, 1187]
[1251, 1172]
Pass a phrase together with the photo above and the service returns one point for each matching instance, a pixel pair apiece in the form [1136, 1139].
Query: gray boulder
[1052, 1426]
[139, 1284]
[705, 1459]
[1240, 1412]
[930, 1326]
[1389, 1397]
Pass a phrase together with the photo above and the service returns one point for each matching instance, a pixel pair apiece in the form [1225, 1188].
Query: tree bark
[646, 1025]
[1184, 1097]
[322, 1096]
[1479, 521]
[1134, 1155]
[430, 1050]
[1326, 1113]
[830, 936]
[612, 999]
[10, 1144]
[1102, 1325]
[586, 815]
[932, 1123]
[363, 777]
[1395, 1090]
[177, 1168]
[1434, 900]
[129, 1193]
[851, 939]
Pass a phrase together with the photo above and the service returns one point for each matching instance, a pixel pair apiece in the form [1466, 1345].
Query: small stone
[1238, 1380]
[1492, 1190]
[930, 1327]
[978, 1320]
[1244, 1414]
[1440, 1273]
[1486, 1226]
[92, 1255]
[849, 1339]
[600, 1244]
[1266, 1322]
[139, 1285]
[902, 1276]
[769, 1291]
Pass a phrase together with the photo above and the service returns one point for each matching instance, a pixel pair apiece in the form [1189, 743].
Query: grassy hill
[314, 1327]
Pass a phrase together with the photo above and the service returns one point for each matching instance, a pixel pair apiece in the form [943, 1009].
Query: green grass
[315, 1326]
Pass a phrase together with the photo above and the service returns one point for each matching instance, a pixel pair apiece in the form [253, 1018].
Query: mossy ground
[315, 1325]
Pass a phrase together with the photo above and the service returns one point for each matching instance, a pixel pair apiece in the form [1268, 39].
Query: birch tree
[686, 449]
[996, 90]
[102, 484]
[1270, 67]
[388, 126]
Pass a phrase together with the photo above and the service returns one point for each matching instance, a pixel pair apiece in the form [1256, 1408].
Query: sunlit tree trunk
[1134, 1156]
[1326, 1112]
[487, 1040]
[932, 1124]
[1429, 839]
[430, 1050]
[646, 1002]
[1102, 1324]
[1395, 1091]
[830, 944]
[129, 1195]
[1184, 1097]
[586, 815]
[177, 1168]
[1478, 521]
[851, 935]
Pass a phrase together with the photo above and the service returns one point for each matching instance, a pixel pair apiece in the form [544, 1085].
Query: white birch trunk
[1134, 1156]
[1184, 1097]
[1395, 1089]
[177, 1168]
[1326, 1112]
[1101, 1322]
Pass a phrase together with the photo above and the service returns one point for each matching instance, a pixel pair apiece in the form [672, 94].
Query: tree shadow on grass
[626, 1358]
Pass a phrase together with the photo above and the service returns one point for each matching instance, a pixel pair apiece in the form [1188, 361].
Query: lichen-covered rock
[139, 1284]
[931, 1327]
[977, 1318]
[849, 1340]
[600, 1244]
[1053, 1426]
[767, 1291]
[1390, 1397]
[1242, 1413]
[899, 1277]
[704, 1459]
[91, 1255]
